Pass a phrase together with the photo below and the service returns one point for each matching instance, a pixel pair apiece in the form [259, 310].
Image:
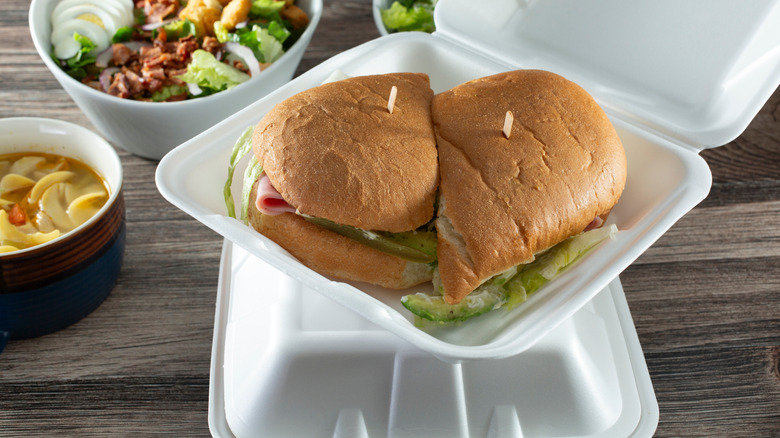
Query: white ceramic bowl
[377, 7]
[151, 129]
[50, 286]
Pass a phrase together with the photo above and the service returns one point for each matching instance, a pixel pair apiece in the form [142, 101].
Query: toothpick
[508, 123]
[391, 100]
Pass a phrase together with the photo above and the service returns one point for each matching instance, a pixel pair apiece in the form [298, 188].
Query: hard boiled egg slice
[104, 18]
[64, 44]
[118, 8]
[96, 21]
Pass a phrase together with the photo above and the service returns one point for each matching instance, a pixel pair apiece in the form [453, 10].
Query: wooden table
[705, 298]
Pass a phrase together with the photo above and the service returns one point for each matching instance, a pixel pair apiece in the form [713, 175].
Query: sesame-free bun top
[505, 199]
[336, 152]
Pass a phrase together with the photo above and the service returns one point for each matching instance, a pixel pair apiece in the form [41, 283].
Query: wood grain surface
[705, 298]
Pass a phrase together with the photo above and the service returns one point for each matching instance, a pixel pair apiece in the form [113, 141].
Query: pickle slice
[414, 246]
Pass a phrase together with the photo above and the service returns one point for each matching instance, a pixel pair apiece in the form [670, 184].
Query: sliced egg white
[94, 14]
[97, 21]
[118, 8]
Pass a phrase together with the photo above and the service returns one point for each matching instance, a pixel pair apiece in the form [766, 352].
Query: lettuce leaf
[265, 46]
[253, 171]
[166, 93]
[123, 35]
[75, 65]
[211, 75]
[268, 9]
[179, 29]
[417, 17]
[270, 47]
[242, 147]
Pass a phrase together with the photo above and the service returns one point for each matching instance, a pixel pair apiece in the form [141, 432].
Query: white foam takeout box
[298, 354]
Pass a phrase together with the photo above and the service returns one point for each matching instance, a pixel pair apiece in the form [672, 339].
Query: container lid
[316, 369]
[696, 71]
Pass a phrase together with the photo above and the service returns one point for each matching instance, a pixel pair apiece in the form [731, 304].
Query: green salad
[169, 50]
[409, 15]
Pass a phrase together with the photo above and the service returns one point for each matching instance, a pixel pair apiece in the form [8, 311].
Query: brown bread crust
[336, 152]
[504, 200]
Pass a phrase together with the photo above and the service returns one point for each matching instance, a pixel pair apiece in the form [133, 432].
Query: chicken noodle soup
[43, 196]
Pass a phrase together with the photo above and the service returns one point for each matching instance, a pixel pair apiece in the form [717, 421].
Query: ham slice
[269, 201]
[595, 223]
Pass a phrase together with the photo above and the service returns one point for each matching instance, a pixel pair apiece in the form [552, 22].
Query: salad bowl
[151, 129]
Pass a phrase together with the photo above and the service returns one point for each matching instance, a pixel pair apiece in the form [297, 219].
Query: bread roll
[505, 199]
[336, 152]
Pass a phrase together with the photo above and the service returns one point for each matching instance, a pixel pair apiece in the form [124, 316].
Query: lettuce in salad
[75, 66]
[210, 75]
[409, 15]
[179, 29]
[268, 9]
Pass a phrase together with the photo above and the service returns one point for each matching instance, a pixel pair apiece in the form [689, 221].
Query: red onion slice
[105, 77]
[135, 46]
[104, 57]
[194, 89]
[152, 26]
[246, 54]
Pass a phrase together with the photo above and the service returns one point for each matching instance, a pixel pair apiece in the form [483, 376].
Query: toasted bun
[504, 200]
[334, 255]
[336, 152]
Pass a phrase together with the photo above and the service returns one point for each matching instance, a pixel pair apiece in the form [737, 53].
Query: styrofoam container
[668, 90]
[287, 362]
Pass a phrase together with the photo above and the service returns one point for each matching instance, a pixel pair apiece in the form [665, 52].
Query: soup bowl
[50, 286]
[152, 129]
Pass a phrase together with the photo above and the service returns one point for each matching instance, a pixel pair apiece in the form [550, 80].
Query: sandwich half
[348, 182]
[508, 195]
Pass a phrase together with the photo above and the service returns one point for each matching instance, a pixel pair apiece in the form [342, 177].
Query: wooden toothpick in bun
[506, 196]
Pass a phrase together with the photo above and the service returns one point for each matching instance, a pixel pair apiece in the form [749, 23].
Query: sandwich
[528, 162]
[345, 177]
[490, 189]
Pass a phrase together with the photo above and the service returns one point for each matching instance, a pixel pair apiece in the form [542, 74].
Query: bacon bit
[162, 35]
[17, 216]
[119, 86]
[211, 45]
[391, 100]
[147, 68]
[121, 54]
[158, 11]
[508, 120]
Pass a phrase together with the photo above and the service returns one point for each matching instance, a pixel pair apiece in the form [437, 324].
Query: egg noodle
[43, 196]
